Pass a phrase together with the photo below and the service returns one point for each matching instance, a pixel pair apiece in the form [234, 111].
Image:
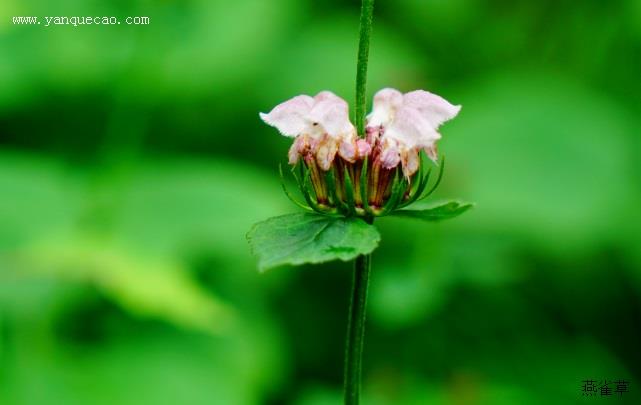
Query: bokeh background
[133, 162]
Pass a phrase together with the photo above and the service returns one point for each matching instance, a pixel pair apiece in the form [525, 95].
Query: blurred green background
[132, 163]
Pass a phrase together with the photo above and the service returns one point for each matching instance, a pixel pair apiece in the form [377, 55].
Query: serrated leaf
[308, 238]
[437, 213]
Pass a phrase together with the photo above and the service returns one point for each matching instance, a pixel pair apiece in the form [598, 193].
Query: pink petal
[411, 129]
[297, 149]
[331, 113]
[326, 152]
[372, 135]
[347, 151]
[290, 117]
[390, 155]
[363, 148]
[386, 102]
[293, 154]
[410, 161]
[433, 108]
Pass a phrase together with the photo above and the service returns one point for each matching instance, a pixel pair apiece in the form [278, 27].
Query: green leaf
[438, 213]
[307, 238]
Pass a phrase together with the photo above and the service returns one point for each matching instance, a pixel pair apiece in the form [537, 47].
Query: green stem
[356, 329]
[367, 10]
[362, 264]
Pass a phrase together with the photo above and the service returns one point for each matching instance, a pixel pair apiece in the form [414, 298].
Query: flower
[320, 126]
[334, 157]
[404, 124]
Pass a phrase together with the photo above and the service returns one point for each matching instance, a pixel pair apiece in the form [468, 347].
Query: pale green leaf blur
[133, 163]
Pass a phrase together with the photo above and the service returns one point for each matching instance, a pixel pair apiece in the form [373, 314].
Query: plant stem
[356, 329]
[362, 264]
[367, 10]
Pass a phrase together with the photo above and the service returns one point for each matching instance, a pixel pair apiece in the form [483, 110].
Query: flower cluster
[370, 176]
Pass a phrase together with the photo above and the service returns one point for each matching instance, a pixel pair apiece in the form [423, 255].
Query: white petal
[411, 129]
[326, 152]
[293, 154]
[433, 108]
[432, 153]
[331, 113]
[410, 160]
[290, 117]
[386, 102]
[297, 148]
